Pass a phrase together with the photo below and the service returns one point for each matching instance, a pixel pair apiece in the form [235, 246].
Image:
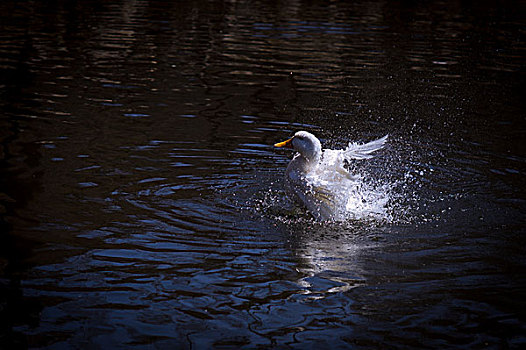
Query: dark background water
[142, 202]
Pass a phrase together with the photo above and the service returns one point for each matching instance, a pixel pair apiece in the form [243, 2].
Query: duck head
[305, 143]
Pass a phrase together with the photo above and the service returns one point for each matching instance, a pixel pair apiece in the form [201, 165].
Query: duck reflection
[328, 259]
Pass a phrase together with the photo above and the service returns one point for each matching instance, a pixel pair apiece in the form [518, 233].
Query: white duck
[318, 177]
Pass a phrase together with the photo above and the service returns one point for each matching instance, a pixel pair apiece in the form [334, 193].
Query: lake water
[142, 202]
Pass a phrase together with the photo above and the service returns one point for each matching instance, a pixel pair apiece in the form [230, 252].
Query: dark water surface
[142, 202]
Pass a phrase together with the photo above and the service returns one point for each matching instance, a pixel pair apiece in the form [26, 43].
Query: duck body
[318, 179]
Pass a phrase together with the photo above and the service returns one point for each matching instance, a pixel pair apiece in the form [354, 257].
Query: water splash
[367, 201]
[356, 200]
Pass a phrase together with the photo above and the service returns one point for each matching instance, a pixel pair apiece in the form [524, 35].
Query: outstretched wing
[357, 151]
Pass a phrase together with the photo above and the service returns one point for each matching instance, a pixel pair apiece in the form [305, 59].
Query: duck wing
[331, 167]
[363, 151]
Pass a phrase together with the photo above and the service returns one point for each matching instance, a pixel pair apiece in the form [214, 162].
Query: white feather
[357, 151]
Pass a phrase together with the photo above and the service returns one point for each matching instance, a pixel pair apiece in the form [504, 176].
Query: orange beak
[287, 143]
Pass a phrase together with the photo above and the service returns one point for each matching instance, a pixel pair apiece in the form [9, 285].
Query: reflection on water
[142, 202]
